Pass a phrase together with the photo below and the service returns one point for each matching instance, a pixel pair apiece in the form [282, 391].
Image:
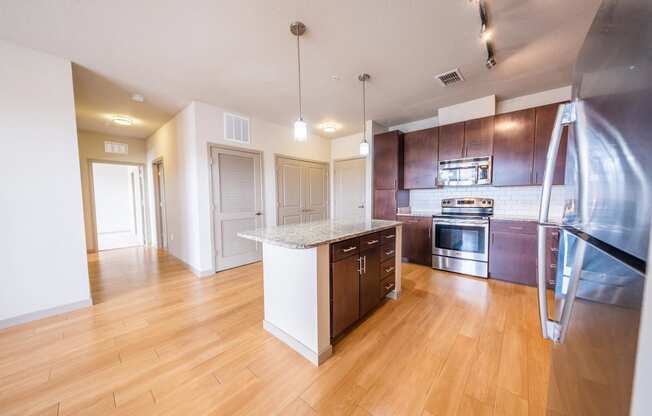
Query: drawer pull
[389, 252]
[372, 242]
[346, 250]
[389, 286]
[554, 249]
[553, 266]
[389, 269]
[511, 227]
[389, 236]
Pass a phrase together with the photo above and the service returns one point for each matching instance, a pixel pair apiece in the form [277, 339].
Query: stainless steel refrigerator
[604, 234]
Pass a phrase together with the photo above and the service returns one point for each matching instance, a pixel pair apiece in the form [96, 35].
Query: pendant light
[300, 127]
[364, 144]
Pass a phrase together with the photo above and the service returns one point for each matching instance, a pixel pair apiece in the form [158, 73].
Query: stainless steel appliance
[464, 172]
[605, 230]
[460, 241]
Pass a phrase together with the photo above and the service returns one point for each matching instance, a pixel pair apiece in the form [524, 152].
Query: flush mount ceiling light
[139, 98]
[364, 144]
[485, 35]
[300, 127]
[122, 120]
[328, 127]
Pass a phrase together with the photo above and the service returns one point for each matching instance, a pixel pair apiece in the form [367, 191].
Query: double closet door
[302, 191]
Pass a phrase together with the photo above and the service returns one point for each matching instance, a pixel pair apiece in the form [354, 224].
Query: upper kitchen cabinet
[479, 137]
[420, 159]
[451, 141]
[388, 160]
[544, 123]
[513, 148]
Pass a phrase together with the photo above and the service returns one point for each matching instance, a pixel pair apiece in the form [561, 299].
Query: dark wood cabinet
[388, 175]
[369, 280]
[513, 148]
[345, 294]
[544, 123]
[451, 141]
[479, 137]
[513, 251]
[388, 160]
[385, 204]
[362, 273]
[417, 240]
[420, 158]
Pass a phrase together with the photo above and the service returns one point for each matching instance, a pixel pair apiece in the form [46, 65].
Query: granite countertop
[315, 233]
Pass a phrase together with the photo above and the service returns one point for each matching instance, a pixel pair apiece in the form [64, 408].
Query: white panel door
[302, 191]
[237, 205]
[349, 188]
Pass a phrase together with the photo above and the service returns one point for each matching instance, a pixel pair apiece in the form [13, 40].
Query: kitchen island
[320, 278]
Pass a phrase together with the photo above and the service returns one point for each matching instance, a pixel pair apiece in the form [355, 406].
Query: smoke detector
[450, 77]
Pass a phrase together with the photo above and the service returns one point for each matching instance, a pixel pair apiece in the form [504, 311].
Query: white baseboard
[199, 273]
[306, 352]
[45, 313]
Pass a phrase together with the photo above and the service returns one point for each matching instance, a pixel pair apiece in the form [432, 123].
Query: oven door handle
[461, 223]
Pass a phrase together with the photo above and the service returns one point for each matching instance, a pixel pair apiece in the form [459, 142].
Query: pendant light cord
[299, 66]
[364, 110]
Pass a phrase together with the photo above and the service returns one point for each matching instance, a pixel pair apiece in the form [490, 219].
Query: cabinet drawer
[516, 227]
[387, 268]
[369, 241]
[387, 252]
[387, 285]
[345, 249]
[389, 236]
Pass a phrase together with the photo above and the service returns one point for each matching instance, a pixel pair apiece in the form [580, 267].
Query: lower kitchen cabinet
[345, 293]
[513, 252]
[417, 240]
[362, 273]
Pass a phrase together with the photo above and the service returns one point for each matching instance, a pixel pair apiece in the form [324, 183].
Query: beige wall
[91, 147]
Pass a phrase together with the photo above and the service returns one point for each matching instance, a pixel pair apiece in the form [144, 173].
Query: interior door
[237, 205]
[350, 188]
[159, 195]
[302, 191]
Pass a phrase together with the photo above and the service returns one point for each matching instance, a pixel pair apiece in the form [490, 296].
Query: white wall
[469, 110]
[426, 123]
[43, 268]
[534, 100]
[183, 143]
[91, 147]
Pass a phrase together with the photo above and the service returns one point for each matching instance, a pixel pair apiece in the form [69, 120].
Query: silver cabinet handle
[364, 264]
[360, 265]
[511, 227]
[388, 252]
[372, 242]
[389, 269]
[565, 115]
[389, 236]
[346, 250]
[389, 286]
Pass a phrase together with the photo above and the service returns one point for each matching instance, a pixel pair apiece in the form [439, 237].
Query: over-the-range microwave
[465, 172]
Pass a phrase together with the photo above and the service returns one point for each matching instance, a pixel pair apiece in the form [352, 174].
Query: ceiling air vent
[115, 147]
[450, 77]
[236, 128]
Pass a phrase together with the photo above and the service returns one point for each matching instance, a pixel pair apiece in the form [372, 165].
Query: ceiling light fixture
[329, 127]
[364, 144]
[485, 35]
[139, 98]
[122, 120]
[300, 127]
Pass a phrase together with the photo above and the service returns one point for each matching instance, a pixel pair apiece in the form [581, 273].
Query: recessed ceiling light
[139, 98]
[122, 120]
[335, 77]
[328, 127]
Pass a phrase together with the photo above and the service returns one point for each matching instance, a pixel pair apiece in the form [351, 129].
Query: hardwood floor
[160, 341]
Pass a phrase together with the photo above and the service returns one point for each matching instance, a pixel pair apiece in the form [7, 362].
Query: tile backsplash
[513, 200]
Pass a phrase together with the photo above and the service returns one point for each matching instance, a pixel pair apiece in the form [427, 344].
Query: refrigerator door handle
[565, 115]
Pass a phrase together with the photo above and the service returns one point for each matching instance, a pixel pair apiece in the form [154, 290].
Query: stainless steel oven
[460, 236]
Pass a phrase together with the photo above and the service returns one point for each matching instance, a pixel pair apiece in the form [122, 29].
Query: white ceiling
[240, 55]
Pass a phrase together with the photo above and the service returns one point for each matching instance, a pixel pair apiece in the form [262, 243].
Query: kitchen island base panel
[296, 287]
[306, 352]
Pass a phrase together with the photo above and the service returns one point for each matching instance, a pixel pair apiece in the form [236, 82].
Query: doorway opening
[158, 173]
[118, 205]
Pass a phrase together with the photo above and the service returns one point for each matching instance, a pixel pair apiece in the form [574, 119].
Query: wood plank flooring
[159, 341]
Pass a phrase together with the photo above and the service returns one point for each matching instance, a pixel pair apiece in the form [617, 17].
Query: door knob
[360, 206]
[259, 213]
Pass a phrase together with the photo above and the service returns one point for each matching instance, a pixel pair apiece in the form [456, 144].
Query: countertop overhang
[312, 234]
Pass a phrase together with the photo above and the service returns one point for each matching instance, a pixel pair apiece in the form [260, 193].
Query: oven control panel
[467, 203]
